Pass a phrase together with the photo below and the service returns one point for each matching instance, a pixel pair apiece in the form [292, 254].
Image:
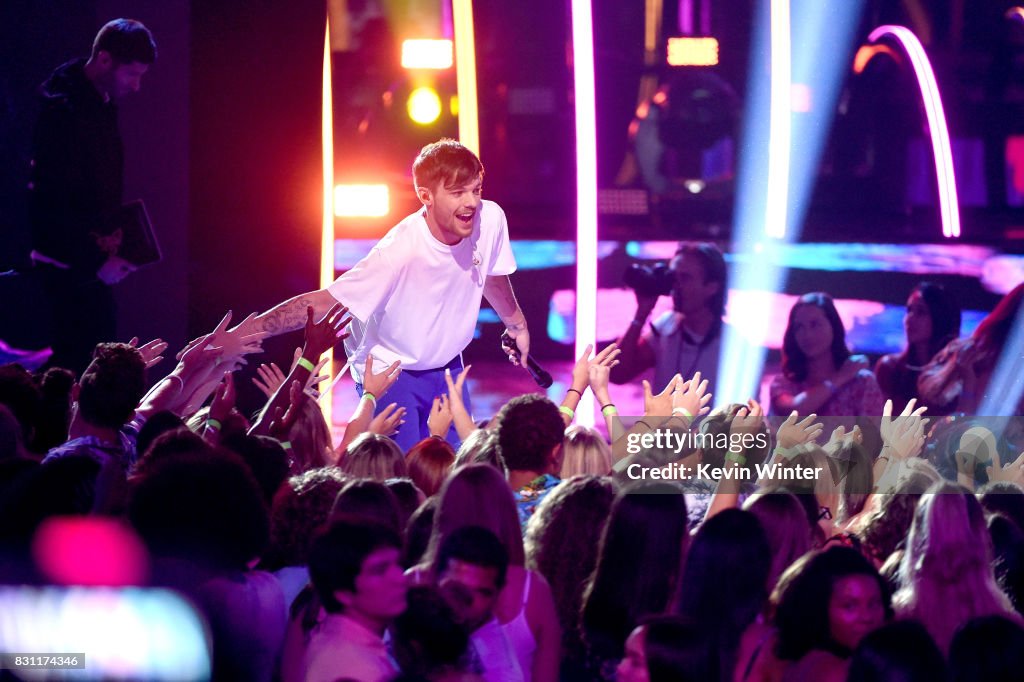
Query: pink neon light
[949, 204]
[586, 188]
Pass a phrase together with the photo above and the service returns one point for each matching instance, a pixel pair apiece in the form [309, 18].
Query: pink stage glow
[79, 550]
[949, 205]
[586, 188]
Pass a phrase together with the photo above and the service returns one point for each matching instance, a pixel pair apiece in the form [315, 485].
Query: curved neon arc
[949, 203]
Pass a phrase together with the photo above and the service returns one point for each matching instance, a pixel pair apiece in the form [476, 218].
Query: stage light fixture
[361, 201]
[427, 54]
[690, 51]
[424, 105]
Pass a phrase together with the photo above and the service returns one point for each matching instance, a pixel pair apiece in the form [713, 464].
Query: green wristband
[567, 411]
[214, 424]
[306, 364]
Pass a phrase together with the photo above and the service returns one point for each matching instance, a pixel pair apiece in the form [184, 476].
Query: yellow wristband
[609, 410]
[371, 397]
[567, 411]
[683, 411]
[306, 364]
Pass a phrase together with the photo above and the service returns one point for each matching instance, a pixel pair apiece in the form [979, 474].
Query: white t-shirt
[416, 299]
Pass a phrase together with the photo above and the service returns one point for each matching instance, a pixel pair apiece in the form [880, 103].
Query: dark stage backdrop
[254, 155]
[222, 143]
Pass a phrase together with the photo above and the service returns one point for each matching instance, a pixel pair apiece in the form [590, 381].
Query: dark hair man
[688, 338]
[76, 187]
[356, 571]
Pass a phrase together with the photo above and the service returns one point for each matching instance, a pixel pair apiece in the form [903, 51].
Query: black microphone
[539, 374]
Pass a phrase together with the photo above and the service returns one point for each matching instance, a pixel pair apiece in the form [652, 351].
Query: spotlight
[688, 51]
[361, 201]
[424, 105]
[427, 54]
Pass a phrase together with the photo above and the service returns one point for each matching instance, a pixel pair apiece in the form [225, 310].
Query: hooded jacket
[77, 170]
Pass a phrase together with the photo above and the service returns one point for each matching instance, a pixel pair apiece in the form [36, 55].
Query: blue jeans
[415, 390]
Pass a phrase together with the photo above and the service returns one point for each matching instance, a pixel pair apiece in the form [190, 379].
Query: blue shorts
[415, 390]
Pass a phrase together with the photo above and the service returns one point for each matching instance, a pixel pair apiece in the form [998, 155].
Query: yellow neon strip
[327, 233]
[465, 74]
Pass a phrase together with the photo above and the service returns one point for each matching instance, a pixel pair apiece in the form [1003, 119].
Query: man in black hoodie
[77, 177]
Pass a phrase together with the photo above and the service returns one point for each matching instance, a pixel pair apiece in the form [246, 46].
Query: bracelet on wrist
[567, 411]
[306, 364]
[214, 424]
[371, 397]
[573, 390]
[737, 457]
[682, 411]
[609, 410]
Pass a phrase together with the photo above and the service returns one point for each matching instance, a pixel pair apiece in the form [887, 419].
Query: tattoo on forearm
[286, 317]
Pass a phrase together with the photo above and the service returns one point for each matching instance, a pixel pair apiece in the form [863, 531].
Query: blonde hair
[946, 576]
[586, 453]
[373, 456]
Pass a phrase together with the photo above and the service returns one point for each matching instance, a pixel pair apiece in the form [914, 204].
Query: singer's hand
[522, 338]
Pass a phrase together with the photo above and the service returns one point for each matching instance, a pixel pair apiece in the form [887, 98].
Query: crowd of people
[530, 552]
[432, 543]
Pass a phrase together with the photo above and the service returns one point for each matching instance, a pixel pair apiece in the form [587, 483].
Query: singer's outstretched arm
[291, 315]
[498, 292]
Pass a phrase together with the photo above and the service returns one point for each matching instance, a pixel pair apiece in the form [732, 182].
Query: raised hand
[388, 420]
[378, 384]
[223, 399]
[281, 424]
[690, 397]
[151, 352]
[270, 378]
[440, 419]
[659, 405]
[1013, 472]
[748, 419]
[321, 336]
[792, 432]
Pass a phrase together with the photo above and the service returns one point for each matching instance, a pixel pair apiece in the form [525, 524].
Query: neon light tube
[779, 123]
[938, 130]
[327, 226]
[465, 74]
[586, 189]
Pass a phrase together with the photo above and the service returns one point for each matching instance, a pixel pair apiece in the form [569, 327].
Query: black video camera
[650, 280]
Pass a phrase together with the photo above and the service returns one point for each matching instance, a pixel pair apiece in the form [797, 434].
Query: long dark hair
[725, 582]
[637, 566]
[945, 314]
[794, 362]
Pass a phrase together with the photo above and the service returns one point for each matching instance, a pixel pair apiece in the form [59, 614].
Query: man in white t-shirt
[416, 296]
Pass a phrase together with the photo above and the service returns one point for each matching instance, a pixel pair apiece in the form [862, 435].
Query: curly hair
[301, 507]
[529, 428]
[112, 385]
[801, 599]
[562, 539]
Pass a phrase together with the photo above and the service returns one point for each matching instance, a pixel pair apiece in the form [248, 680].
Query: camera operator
[688, 338]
